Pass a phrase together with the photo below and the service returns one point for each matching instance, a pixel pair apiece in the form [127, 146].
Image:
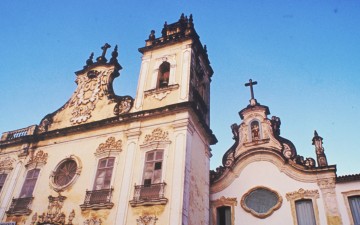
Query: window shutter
[354, 202]
[305, 212]
[29, 184]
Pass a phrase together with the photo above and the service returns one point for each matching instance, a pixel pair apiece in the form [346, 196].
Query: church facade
[108, 159]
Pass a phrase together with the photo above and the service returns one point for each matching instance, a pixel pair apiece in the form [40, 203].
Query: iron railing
[20, 206]
[149, 193]
[98, 196]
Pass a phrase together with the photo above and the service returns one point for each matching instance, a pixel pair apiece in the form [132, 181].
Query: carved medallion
[110, 145]
[6, 164]
[146, 220]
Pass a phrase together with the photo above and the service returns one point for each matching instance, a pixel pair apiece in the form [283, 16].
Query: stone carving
[88, 93]
[157, 135]
[92, 221]
[6, 164]
[123, 106]
[235, 131]
[326, 183]
[110, 145]
[287, 153]
[54, 214]
[39, 158]
[319, 149]
[255, 130]
[146, 220]
[301, 193]
[217, 173]
[275, 125]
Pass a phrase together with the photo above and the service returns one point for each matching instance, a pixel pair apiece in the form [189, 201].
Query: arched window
[163, 75]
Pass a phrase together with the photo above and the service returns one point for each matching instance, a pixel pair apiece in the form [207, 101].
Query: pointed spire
[319, 150]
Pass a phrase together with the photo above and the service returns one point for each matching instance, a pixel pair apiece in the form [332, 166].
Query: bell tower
[175, 69]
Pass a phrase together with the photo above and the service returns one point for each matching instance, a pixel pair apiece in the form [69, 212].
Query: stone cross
[251, 84]
[104, 48]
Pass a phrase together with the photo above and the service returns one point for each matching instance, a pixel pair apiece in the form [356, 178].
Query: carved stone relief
[92, 221]
[88, 93]
[146, 220]
[157, 135]
[7, 164]
[302, 193]
[54, 213]
[39, 158]
[110, 145]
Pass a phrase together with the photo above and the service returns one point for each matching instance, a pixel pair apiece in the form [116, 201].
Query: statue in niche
[255, 130]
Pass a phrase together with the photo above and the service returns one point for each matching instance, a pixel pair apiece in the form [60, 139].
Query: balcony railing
[10, 135]
[98, 199]
[20, 206]
[149, 195]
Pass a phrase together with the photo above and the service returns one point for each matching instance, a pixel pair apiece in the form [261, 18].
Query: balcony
[98, 199]
[152, 194]
[20, 206]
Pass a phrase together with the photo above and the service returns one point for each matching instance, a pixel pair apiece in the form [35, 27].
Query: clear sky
[305, 56]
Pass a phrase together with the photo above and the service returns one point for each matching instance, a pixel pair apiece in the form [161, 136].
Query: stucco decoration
[88, 93]
[261, 201]
[66, 167]
[157, 135]
[110, 145]
[146, 220]
[92, 221]
[54, 213]
[223, 201]
[6, 164]
[38, 159]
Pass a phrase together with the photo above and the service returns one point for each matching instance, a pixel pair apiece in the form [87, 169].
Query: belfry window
[163, 75]
[305, 212]
[223, 215]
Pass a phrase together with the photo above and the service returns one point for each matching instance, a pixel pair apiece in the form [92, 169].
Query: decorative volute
[94, 98]
[175, 69]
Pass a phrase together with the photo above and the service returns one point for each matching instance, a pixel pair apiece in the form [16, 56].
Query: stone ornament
[157, 135]
[7, 164]
[301, 194]
[93, 221]
[39, 158]
[110, 145]
[146, 220]
[88, 93]
[54, 214]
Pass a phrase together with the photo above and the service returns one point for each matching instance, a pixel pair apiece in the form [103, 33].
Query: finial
[182, 16]
[113, 59]
[102, 57]
[191, 24]
[164, 30]
[205, 49]
[152, 35]
[89, 61]
[319, 149]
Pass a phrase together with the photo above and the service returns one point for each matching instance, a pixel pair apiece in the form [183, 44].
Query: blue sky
[305, 56]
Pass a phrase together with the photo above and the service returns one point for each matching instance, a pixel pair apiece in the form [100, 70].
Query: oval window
[261, 201]
[65, 173]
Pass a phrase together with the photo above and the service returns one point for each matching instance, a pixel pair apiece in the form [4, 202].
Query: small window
[305, 212]
[354, 202]
[223, 215]
[163, 75]
[153, 167]
[104, 173]
[29, 184]
[2, 180]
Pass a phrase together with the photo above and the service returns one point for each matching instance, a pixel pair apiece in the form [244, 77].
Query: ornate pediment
[302, 193]
[6, 164]
[39, 159]
[157, 135]
[110, 145]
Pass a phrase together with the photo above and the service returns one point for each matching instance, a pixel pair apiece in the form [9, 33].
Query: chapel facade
[102, 158]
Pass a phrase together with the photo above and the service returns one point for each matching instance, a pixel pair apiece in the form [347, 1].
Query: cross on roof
[251, 84]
